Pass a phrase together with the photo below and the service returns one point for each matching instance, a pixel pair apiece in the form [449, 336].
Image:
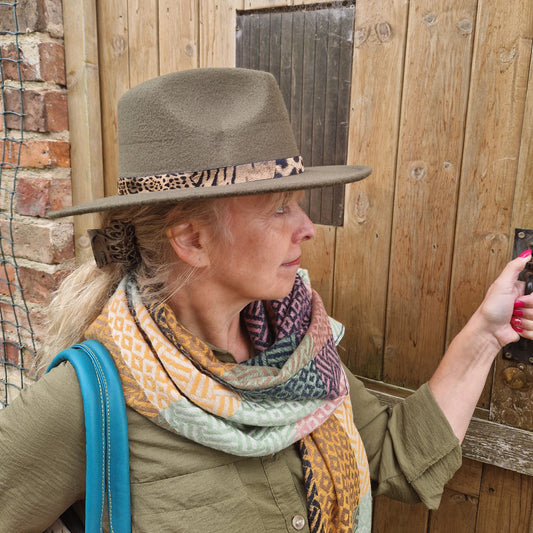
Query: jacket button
[298, 522]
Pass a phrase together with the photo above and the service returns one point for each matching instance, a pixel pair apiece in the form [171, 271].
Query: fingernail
[525, 253]
[518, 312]
[516, 328]
[519, 303]
[515, 321]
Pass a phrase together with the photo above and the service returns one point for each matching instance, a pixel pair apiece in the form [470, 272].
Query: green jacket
[180, 486]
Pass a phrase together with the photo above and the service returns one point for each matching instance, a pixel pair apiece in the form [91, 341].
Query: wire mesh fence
[17, 339]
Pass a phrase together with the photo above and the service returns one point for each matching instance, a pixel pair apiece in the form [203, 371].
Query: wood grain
[429, 159]
[143, 40]
[178, 35]
[491, 150]
[515, 407]
[505, 502]
[81, 60]
[362, 254]
[114, 80]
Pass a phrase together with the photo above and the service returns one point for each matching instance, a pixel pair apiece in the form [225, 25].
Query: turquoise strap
[106, 436]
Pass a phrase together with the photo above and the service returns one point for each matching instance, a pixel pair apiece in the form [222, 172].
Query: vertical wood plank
[492, 141]
[114, 79]
[275, 46]
[429, 159]
[318, 108]
[297, 76]
[143, 40]
[217, 23]
[508, 406]
[254, 50]
[317, 257]
[178, 35]
[81, 61]
[505, 504]
[285, 75]
[362, 251]
[390, 516]
[264, 42]
[457, 512]
[458, 509]
[331, 105]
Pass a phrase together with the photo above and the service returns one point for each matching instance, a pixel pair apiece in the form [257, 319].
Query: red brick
[36, 196]
[33, 15]
[52, 57]
[33, 196]
[11, 332]
[43, 243]
[60, 194]
[38, 286]
[53, 17]
[11, 350]
[39, 324]
[28, 71]
[56, 111]
[7, 280]
[43, 110]
[37, 154]
[50, 66]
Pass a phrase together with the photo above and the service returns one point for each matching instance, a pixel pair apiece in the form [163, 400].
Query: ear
[189, 242]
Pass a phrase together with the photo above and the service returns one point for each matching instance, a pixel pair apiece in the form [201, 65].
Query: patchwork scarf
[294, 390]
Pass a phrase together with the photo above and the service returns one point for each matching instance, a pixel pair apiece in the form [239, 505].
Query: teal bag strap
[106, 436]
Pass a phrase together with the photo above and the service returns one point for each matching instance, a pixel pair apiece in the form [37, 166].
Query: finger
[513, 268]
[523, 303]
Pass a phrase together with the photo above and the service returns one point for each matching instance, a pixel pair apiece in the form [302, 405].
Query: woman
[240, 415]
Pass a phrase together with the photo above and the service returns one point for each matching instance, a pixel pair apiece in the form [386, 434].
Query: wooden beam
[487, 442]
[81, 59]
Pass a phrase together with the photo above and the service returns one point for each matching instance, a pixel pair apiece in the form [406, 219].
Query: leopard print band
[215, 177]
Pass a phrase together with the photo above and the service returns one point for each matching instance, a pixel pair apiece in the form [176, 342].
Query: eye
[281, 210]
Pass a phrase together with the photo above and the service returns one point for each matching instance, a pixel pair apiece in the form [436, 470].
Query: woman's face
[260, 259]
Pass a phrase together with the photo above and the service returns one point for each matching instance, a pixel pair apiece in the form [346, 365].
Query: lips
[296, 262]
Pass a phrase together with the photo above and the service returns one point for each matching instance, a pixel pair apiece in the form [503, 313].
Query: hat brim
[311, 178]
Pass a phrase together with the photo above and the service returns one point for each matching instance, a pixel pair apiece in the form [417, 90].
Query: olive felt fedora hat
[208, 133]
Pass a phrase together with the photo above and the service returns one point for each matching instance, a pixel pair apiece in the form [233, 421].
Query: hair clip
[115, 244]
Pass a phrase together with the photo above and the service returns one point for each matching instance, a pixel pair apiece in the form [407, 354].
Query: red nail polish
[518, 312]
[525, 253]
[515, 321]
[519, 303]
[517, 329]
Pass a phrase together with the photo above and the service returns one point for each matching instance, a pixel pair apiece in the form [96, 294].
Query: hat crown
[202, 119]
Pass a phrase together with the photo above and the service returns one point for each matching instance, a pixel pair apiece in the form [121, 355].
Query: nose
[305, 229]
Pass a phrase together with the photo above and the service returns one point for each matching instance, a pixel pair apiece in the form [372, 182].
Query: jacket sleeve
[411, 448]
[42, 448]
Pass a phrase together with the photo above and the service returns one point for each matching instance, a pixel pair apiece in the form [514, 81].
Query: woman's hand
[506, 312]
[459, 379]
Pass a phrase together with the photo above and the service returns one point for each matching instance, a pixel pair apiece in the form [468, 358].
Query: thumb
[513, 268]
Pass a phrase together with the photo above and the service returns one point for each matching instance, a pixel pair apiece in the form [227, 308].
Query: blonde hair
[85, 292]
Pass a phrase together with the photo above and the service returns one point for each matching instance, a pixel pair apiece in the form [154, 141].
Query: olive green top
[180, 486]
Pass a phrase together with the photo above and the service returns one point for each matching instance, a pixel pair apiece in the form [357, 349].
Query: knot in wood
[417, 170]
[465, 26]
[360, 35]
[383, 31]
[361, 206]
[118, 43]
[430, 19]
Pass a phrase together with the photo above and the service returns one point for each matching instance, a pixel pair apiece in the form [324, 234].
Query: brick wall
[44, 249]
